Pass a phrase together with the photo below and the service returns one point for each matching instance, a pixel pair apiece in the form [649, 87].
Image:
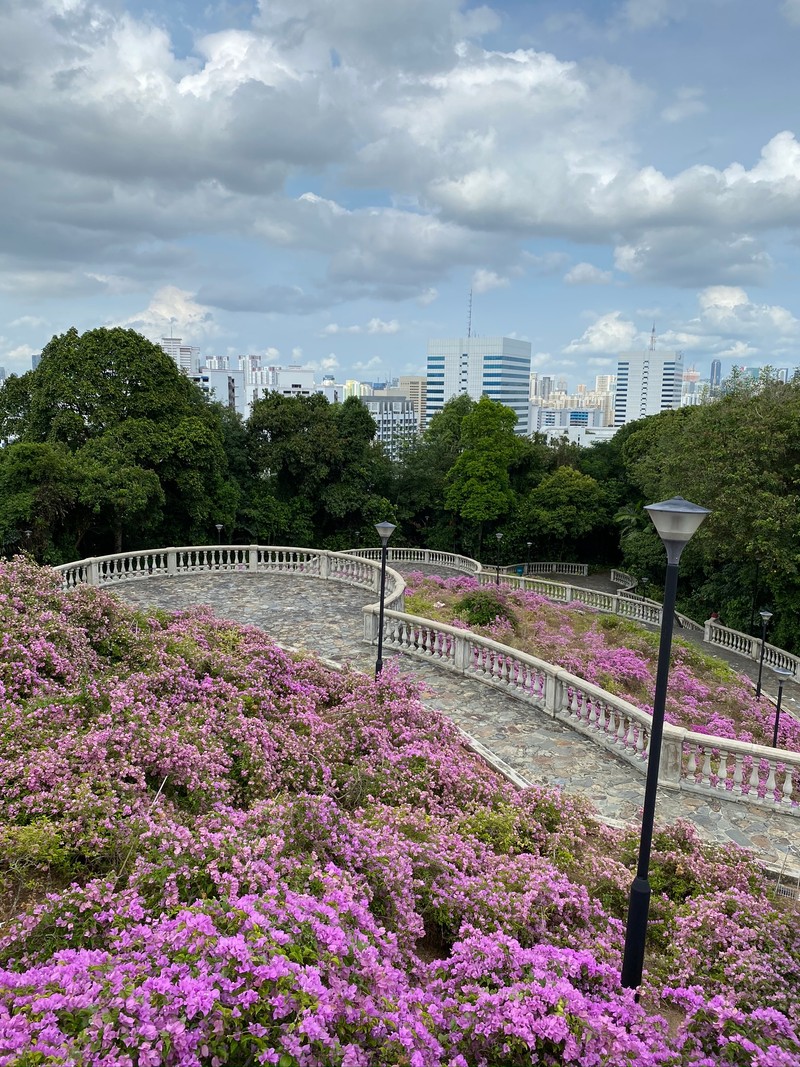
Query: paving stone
[325, 618]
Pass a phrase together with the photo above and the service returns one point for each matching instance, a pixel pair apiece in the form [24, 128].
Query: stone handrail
[431, 556]
[622, 578]
[714, 633]
[219, 559]
[700, 763]
[546, 568]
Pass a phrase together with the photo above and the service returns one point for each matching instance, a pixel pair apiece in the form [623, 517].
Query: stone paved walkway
[325, 618]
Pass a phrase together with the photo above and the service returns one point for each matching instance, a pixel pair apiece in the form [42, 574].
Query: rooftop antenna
[469, 316]
[653, 339]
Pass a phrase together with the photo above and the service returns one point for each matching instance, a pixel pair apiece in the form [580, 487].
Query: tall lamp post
[765, 617]
[219, 526]
[676, 520]
[499, 537]
[782, 675]
[528, 558]
[385, 531]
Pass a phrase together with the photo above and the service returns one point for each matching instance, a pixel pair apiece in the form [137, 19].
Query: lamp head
[499, 536]
[765, 616]
[676, 520]
[385, 531]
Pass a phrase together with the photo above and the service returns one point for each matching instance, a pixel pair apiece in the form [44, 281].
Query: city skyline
[326, 184]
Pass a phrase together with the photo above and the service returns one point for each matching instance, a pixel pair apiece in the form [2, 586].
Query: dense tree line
[107, 446]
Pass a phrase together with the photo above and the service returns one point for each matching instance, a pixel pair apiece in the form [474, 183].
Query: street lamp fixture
[676, 521]
[528, 558]
[220, 528]
[782, 674]
[499, 537]
[385, 531]
[765, 617]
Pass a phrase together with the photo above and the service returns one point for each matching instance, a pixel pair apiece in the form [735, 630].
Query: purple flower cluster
[214, 853]
[704, 696]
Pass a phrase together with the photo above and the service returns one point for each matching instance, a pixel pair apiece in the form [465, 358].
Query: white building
[186, 356]
[647, 382]
[500, 367]
[395, 418]
[546, 418]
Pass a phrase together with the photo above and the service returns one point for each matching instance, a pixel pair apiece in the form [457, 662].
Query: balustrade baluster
[788, 785]
[754, 777]
[770, 793]
[738, 773]
[641, 744]
[705, 776]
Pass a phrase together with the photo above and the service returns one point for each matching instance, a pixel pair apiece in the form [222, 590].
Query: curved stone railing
[747, 645]
[546, 568]
[225, 559]
[430, 556]
[700, 763]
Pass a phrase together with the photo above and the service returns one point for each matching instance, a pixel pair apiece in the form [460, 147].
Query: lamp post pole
[219, 533]
[765, 617]
[499, 537]
[676, 520]
[528, 558]
[385, 531]
[782, 674]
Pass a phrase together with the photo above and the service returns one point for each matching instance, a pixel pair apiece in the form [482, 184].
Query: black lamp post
[385, 531]
[499, 537]
[219, 533]
[782, 675]
[676, 520]
[765, 617]
[528, 558]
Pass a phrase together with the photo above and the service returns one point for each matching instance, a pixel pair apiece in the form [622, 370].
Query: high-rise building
[647, 382]
[185, 356]
[545, 387]
[715, 378]
[415, 387]
[395, 419]
[500, 367]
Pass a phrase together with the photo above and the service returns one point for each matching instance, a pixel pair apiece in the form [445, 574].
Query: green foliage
[483, 606]
[107, 438]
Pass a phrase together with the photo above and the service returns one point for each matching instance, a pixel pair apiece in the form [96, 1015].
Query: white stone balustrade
[714, 633]
[253, 559]
[727, 769]
[430, 556]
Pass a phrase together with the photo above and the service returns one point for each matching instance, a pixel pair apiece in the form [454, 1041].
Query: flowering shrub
[213, 853]
[705, 695]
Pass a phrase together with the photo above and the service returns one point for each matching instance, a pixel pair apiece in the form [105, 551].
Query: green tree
[148, 445]
[564, 508]
[478, 486]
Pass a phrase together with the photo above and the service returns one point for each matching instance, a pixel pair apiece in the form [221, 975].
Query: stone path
[325, 618]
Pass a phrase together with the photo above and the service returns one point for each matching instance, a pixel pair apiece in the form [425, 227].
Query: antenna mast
[469, 316]
[653, 339]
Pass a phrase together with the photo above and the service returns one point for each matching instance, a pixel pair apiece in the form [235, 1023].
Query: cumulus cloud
[791, 10]
[587, 274]
[608, 333]
[172, 309]
[374, 326]
[485, 280]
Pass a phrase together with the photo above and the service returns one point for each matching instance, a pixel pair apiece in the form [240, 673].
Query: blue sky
[324, 181]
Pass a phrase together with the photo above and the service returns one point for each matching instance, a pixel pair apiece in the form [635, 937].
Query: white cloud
[791, 10]
[688, 101]
[600, 361]
[608, 333]
[174, 310]
[370, 364]
[374, 326]
[426, 298]
[587, 274]
[485, 280]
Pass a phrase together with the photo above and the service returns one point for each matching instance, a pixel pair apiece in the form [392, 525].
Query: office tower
[500, 367]
[415, 387]
[647, 382]
[715, 378]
